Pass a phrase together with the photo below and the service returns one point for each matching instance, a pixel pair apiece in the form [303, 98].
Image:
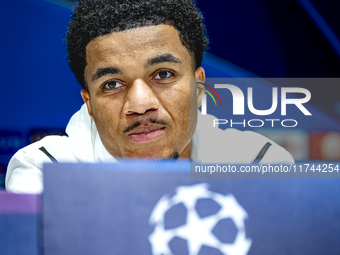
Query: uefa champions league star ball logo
[196, 230]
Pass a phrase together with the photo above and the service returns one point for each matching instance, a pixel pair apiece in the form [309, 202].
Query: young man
[135, 61]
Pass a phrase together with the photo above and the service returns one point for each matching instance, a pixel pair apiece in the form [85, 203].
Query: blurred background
[262, 38]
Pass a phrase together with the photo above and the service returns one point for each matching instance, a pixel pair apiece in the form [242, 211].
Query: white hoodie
[83, 144]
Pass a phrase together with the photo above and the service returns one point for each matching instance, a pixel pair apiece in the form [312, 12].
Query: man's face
[139, 92]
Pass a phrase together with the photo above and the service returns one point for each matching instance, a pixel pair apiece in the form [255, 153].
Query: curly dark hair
[93, 18]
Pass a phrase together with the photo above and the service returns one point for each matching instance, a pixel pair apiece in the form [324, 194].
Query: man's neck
[185, 154]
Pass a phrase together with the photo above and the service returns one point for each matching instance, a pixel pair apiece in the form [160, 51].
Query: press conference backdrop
[248, 39]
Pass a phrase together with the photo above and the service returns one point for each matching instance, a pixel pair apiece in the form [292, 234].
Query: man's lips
[146, 133]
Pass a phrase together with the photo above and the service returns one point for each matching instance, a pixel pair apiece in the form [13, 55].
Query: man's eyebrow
[168, 57]
[105, 71]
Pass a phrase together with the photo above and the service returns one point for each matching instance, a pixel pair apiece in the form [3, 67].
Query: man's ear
[86, 97]
[200, 77]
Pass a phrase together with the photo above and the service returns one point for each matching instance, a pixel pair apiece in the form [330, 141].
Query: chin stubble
[174, 155]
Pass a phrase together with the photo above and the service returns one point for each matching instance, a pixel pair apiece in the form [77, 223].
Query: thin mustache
[138, 123]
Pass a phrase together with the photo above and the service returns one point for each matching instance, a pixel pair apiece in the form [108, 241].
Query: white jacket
[209, 144]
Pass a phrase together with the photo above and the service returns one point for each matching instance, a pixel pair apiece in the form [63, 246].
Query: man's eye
[162, 75]
[112, 85]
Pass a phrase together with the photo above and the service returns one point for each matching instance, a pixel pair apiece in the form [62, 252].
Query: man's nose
[140, 98]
